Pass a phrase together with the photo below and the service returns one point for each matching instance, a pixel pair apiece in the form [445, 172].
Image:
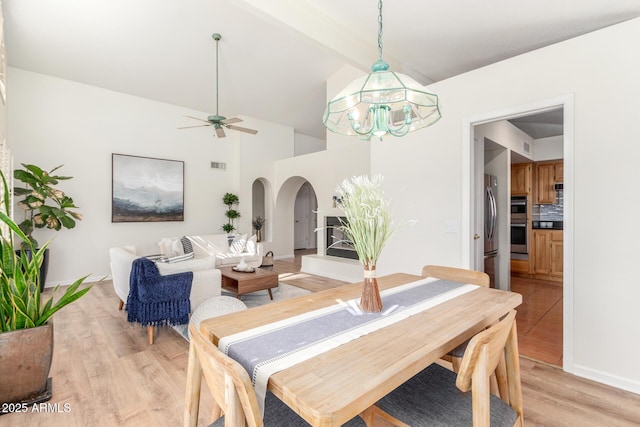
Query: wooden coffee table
[242, 283]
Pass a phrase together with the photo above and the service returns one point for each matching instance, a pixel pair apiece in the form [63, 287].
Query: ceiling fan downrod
[217, 37]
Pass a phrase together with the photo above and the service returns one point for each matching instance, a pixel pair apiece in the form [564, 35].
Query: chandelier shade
[382, 102]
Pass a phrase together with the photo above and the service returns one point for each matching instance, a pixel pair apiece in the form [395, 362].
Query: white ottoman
[216, 306]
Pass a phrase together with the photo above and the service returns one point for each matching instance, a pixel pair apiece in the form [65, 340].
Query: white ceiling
[276, 55]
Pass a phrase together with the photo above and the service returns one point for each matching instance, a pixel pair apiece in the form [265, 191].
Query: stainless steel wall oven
[519, 218]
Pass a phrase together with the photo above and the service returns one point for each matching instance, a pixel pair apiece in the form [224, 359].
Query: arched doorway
[261, 206]
[304, 236]
[287, 233]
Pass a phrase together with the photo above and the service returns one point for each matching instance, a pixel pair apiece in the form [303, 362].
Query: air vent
[526, 147]
[219, 166]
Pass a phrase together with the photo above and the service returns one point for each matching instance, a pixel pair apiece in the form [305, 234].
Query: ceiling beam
[303, 18]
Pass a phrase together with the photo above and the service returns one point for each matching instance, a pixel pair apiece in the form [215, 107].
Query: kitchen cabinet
[559, 172]
[521, 179]
[520, 266]
[545, 179]
[548, 254]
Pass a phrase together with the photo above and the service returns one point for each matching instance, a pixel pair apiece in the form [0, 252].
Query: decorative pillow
[203, 247]
[252, 245]
[165, 246]
[176, 248]
[176, 258]
[187, 247]
[238, 244]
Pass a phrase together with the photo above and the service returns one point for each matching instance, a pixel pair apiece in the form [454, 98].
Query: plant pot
[44, 267]
[25, 361]
[259, 235]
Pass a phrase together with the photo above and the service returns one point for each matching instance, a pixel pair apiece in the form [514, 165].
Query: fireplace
[336, 243]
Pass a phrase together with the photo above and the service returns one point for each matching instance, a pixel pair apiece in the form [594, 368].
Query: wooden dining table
[331, 388]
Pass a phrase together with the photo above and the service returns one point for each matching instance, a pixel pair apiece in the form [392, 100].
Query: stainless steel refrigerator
[490, 227]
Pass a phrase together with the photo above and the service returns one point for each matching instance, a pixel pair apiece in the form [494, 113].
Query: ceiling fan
[216, 120]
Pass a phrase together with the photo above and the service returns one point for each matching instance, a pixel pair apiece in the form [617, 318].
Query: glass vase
[370, 301]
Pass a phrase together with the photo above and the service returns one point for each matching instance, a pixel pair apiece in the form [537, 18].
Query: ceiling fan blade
[241, 129]
[196, 126]
[196, 118]
[220, 132]
[233, 120]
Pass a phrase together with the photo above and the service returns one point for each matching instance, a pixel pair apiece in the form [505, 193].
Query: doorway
[304, 219]
[561, 310]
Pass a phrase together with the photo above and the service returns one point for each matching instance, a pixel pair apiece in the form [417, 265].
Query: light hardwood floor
[108, 375]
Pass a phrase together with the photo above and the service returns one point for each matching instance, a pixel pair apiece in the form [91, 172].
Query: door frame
[470, 176]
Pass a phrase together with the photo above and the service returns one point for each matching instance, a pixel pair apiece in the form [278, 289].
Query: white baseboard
[607, 378]
[89, 279]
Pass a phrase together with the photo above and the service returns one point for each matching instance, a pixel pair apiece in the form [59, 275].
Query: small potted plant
[26, 332]
[44, 205]
[230, 199]
[258, 223]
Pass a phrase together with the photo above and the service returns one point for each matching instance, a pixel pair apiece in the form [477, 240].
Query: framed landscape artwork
[146, 189]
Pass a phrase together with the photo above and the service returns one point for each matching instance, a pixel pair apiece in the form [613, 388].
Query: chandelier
[383, 102]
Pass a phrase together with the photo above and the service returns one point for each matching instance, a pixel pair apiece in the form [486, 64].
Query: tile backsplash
[550, 212]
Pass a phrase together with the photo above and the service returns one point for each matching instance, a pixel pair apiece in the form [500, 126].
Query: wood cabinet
[560, 172]
[521, 179]
[520, 266]
[547, 254]
[546, 176]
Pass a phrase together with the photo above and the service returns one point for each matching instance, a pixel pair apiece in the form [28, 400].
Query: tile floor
[539, 319]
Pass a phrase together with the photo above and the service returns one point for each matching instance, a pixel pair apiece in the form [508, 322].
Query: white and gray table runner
[270, 348]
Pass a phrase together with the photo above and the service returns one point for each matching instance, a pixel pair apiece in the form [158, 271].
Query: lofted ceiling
[276, 55]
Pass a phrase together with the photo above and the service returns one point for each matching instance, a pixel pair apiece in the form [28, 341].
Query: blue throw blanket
[156, 300]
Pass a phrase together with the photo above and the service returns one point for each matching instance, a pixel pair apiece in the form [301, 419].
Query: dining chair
[433, 397]
[457, 275]
[235, 400]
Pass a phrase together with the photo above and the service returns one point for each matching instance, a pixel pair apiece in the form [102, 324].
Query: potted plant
[26, 332]
[230, 199]
[258, 223]
[44, 206]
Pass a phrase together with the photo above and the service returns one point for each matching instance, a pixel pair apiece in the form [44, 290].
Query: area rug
[255, 299]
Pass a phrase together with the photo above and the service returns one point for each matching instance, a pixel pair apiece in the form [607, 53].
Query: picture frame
[146, 189]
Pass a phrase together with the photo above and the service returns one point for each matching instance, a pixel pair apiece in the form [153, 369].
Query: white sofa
[226, 254]
[210, 253]
[206, 278]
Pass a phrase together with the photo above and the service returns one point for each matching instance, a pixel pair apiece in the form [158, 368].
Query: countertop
[547, 225]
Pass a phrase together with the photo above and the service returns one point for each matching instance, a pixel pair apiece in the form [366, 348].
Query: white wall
[551, 148]
[305, 144]
[424, 170]
[507, 135]
[54, 121]
[255, 155]
[324, 170]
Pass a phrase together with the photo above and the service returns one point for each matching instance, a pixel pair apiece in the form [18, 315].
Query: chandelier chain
[380, 28]
[217, 43]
